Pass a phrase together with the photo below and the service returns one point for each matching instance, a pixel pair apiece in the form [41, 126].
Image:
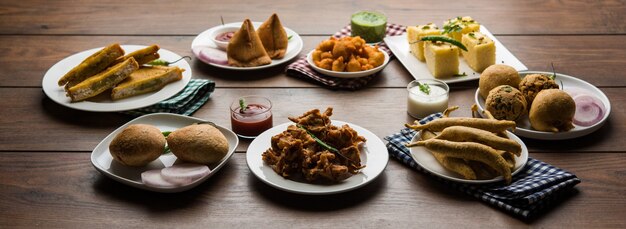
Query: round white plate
[102, 103]
[426, 160]
[101, 157]
[309, 59]
[373, 154]
[523, 125]
[203, 40]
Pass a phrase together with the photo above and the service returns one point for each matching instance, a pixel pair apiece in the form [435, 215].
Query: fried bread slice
[245, 49]
[146, 79]
[274, 37]
[92, 65]
[142, 56]
[102, 81]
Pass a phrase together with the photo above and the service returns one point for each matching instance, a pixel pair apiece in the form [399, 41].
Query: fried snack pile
[475, 148]
[295, 151]
[347, 54]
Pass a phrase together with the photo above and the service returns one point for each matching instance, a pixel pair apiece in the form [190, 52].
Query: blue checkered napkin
[301, 68]
[190, 99]
[532, 189]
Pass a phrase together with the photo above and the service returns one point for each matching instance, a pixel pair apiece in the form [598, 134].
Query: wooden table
[46, 179]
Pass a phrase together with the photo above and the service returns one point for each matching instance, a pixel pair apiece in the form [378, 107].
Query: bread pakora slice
[274, 37]
[94, 64]
[102, 81]
[146, 79]
[142, 56]
[245, 49]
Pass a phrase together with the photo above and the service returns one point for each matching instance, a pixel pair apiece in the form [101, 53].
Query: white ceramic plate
[204, 40]
[103, 103]
[373, 154]
[523, 125]
[101, 157]
[309, 59]
[400, 47]
[426, 160]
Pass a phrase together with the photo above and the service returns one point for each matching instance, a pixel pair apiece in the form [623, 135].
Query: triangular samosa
[245, 48]
[274, 37]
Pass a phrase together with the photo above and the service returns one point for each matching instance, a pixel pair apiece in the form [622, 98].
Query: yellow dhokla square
[442, 59]
[414, 36]
[481, 51]
[456, 27]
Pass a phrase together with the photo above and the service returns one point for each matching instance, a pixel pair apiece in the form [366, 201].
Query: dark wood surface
[47, 180]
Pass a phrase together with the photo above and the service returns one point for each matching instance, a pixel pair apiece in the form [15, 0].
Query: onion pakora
[347, 54]
[296, 151]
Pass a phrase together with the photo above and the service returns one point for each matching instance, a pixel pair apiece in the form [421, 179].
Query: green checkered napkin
[186, 102]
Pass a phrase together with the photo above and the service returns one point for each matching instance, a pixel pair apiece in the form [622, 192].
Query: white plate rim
[427, 161]
[396, 44]
[376, 153]
[57, 94]
[578, 131]
[102, 150]
[204, 40]
[347, 75]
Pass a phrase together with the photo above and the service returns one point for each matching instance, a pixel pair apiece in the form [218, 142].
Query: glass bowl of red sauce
[222, 35]
[250, 116]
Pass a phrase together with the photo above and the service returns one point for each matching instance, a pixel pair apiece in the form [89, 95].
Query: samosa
[274, 37]
[245, 48]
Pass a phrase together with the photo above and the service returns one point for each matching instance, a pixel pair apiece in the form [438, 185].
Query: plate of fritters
[479, 173]
[347, 57]
[103, 101]
[288, 158]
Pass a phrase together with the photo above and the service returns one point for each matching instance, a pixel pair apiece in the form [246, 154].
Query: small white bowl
[222, 29]
[309, 59]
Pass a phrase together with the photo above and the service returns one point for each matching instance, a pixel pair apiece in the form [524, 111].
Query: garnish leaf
[424, 88]
[242, 105]
[166, 133]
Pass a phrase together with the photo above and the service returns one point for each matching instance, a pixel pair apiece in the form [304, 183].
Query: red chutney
[225, 37]
[255, 119]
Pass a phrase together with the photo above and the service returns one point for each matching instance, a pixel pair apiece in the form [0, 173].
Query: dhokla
[481, 51]
[442, 59]
[414, 36]
[456, 27]
[102, 81]
[146, 79]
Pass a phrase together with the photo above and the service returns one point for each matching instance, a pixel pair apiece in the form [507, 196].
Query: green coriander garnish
[425, 27]
[289, 37]
[424, 88]
[242, 105]
[166, 133]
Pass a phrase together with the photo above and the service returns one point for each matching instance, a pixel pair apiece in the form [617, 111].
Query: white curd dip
[420, 104]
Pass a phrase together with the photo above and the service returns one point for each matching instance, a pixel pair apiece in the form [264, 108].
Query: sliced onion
[184, 173]
[213, 55]
[153, 178]
[589, 110]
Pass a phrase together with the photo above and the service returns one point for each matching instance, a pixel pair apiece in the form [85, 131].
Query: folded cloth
[532, 189]
[186, 102]
[302, 69]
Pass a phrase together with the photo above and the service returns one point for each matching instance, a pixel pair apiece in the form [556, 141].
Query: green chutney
[369, 25]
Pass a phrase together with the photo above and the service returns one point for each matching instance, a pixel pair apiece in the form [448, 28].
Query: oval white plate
[523, 126]
[373, 154]
[426, 160]
[204, 40]
[101, 157]
[309, 59]
[55, 92]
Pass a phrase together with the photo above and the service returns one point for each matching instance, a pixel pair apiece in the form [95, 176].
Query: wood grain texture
[383, 111]
[600, 60]
[307, 17]
[62, 190]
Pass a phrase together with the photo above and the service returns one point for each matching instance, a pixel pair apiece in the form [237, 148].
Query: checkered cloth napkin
[532, 189]
[190, 99]
[302, 69]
